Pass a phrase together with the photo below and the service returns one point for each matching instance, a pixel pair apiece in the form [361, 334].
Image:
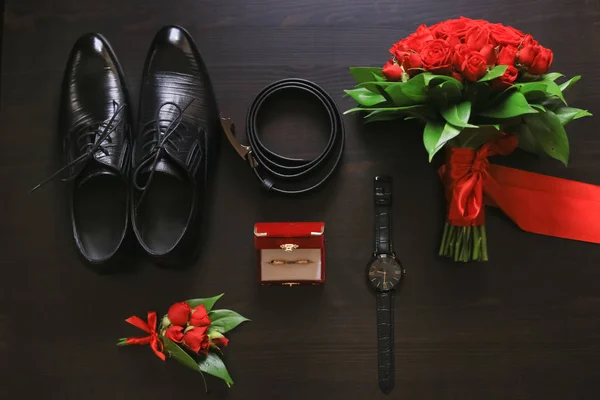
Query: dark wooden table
[523, 326]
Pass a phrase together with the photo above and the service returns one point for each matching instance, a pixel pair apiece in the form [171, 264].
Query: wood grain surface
[526, 325]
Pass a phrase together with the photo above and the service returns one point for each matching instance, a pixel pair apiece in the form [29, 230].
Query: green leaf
[476, 137]
[554, 89]
[540, 90]
[414, 91]
[415, 112]
[179, 354]
[365, 97]
[383, 115]
[376, 87]
[532, 90]
[449, 132]
[568, 114]
[458, 114]
[527, 140]
[410, 92]
[365, 74]
[213, 365]
[446, 93]
[431, 137]
[430, 79]
[436, 135]
[552, 76]
[413, 108]
[549, 134]
[513, 105]
[382, 84]
[568, 84]
[378, 78]
[225, 320]
[552, 103]
[538, 107]
[402, 97]
[208, 303]
[494, 73]
[433, 80]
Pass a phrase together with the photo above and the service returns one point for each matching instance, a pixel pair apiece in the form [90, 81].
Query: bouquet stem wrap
[536, 203]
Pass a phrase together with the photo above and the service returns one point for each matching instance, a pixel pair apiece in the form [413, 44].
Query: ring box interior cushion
[290, 252]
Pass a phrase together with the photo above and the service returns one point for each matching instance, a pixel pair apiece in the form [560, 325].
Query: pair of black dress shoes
[155, 174]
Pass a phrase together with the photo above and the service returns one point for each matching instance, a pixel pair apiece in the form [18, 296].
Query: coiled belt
[284, 174]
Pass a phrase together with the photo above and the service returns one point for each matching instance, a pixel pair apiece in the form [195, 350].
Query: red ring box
[290, 253]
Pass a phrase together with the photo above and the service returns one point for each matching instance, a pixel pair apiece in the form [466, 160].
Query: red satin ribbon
[155, 343]
[537, 203]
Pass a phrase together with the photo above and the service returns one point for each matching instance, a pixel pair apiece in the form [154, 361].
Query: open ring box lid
[290, 253]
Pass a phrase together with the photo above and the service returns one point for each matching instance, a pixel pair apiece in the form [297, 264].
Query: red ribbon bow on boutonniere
[155, 344]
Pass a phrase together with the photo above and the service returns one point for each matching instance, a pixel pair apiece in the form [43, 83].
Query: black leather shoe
[175, 146]
[94, 125]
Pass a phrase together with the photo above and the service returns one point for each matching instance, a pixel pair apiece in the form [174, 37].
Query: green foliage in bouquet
[471, 113]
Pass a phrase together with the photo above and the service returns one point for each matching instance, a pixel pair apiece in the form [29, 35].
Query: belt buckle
[244, 151]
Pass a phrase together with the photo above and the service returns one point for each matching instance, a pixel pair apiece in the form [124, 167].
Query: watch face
[385, 273]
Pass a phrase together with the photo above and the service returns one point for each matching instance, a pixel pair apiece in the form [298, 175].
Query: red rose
[507, 55]
[528, 40]
[506, 35]
[174, 333]
[535, 58]
[460, 55]
[415, 41]
[179, 313]
[542, 62]
[196, 340]
[199, 316]
[392, 71]
[506, 80]
[477, 37]
[453, 41]
[474, 67]
[489, 53]
[452, 27]
[527, 54]
[457, 76]
[437, 57]
[220, 341]
[399, 49]
[411, 61]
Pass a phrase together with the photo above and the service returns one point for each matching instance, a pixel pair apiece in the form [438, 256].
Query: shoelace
[161, 137]
[102, 133]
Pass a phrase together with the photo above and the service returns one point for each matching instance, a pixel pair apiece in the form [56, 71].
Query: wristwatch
[384, 273]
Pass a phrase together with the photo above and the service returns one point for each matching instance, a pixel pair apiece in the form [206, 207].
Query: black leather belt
[284, 174]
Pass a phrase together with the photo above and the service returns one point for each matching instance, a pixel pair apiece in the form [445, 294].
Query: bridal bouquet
[481, 89]
[191, 332]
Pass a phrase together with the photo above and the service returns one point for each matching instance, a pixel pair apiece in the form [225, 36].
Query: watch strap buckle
[383, 196]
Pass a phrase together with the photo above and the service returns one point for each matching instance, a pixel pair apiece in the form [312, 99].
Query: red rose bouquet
[191, 333]
[481, 89]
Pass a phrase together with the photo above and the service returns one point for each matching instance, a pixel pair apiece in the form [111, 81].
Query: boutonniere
[192, 333]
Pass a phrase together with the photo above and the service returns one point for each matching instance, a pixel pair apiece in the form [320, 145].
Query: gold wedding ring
[289, 246]
[284, 262]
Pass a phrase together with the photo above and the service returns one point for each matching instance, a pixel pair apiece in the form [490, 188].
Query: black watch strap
[385, 340]
[383, 215]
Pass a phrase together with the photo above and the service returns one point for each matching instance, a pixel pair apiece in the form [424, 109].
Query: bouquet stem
[464, 243]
